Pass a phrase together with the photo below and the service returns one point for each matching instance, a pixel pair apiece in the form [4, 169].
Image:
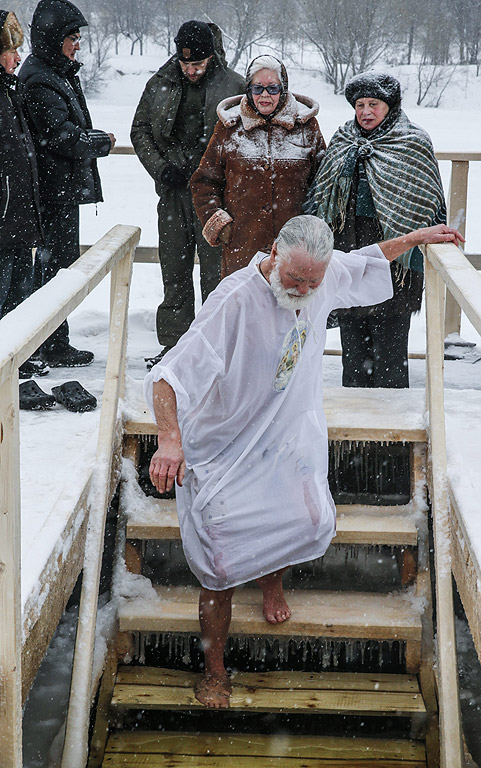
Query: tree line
[349, 35]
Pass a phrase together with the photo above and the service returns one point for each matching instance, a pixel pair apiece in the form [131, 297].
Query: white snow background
[58, 467]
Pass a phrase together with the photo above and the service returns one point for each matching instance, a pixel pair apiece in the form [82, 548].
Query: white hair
[308, 232]
[264, 62]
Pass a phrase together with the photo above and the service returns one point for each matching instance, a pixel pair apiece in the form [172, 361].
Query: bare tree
[433, 79]
[350, 35]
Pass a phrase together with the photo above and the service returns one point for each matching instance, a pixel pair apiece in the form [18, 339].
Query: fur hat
[11, 35]
[374, 85]
[194, 41]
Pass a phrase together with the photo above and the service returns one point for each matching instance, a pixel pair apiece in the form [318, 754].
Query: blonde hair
[11, 35]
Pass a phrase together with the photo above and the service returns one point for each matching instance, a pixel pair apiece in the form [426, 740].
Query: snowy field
[68, 440]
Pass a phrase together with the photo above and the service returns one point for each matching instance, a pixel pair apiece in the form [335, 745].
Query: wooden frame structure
[112, 254]
[445, 264]
[446, 267]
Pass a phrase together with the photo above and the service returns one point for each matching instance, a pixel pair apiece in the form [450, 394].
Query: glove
[173, 176]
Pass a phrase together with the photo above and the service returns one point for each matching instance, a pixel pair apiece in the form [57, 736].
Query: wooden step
[315, 613]
[300, 692]
[352, 414]
[356, 524]
[216, 750]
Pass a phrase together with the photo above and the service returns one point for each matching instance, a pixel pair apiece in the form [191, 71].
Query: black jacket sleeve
[49, 114]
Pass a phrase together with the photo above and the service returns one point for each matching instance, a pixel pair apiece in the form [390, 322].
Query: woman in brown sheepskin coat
[255, 172]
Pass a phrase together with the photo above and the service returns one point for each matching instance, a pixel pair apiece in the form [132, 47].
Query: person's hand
[226, 233]
[112, 140]
[167, 464]
[440, 233]
[174, 176]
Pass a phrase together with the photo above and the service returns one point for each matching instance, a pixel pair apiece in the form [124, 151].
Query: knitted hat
[11, 35]
[374, 85]
[194, 41]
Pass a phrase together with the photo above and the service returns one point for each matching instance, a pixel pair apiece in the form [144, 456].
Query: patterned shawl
[401, 170]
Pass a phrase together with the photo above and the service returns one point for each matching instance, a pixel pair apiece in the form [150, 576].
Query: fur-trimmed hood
[297, 108]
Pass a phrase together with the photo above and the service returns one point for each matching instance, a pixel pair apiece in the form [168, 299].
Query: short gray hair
[308, 232]
[264, 62]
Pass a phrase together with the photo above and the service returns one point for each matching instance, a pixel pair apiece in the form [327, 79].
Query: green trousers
[180, 236]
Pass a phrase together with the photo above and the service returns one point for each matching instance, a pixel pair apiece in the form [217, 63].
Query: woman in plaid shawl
[379, 179]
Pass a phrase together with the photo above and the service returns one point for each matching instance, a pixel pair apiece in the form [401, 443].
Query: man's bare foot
[275, 607]
[213, 692]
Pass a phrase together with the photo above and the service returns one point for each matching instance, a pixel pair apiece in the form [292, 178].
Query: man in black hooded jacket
[66, 147]
[172, 126]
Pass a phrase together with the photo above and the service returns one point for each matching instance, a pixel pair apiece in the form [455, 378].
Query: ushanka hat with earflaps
[374, 85]
[11, 35]
[194, 41]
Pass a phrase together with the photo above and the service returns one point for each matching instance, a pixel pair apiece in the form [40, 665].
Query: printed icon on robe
[291, 352]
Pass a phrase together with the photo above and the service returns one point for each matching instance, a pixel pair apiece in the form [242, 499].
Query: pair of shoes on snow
[33, 367]
[71, 395]
[66, 357]
[151, 361]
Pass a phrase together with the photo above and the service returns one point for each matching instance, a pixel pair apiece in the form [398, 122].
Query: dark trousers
[61, 226]
[374, 350]
[180, 233]
[16, 277]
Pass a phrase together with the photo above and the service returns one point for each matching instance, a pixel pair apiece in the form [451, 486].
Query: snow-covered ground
[69, 440]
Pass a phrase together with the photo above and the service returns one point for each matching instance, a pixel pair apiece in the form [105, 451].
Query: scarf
[401, 171]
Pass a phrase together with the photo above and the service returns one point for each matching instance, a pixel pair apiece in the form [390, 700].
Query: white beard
[289, 299]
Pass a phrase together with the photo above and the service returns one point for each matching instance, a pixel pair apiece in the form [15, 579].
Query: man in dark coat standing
[67, 147]
[20, 228]
[172, 126]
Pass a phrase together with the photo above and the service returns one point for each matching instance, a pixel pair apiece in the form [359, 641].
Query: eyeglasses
[272, 90]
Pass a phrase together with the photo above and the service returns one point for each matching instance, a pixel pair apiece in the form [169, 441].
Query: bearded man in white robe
[238, 405]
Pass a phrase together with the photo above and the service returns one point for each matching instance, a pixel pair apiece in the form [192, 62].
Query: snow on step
[390, 526]
[155, 688]
[352, 414]
[315, 613]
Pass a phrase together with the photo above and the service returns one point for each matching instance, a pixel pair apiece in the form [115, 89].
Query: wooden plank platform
[358, 694]
[390, 526]
[216, 750]
[314, 614]
[352, 414]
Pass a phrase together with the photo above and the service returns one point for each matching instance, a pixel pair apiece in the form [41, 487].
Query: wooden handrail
[445, 265]
[76, 737]
[460, 277]
[21, 333]
[127, 149]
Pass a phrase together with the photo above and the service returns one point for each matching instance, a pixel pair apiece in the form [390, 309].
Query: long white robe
[255, 496]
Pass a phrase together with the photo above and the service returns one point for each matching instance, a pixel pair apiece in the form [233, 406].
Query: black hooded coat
[19, 200]
[65, 142]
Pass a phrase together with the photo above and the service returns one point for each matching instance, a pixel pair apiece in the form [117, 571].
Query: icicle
[142, 649]
[336, 650]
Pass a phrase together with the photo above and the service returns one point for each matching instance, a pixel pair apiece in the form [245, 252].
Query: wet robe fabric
[255, 496]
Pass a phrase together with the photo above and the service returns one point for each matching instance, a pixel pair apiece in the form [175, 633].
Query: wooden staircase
[320, 702]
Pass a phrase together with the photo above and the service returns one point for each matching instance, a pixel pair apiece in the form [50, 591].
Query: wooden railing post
[457, 206]
[10, 594]
[449, 712]
[76, 736]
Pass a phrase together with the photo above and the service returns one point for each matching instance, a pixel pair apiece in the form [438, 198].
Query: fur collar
[296, 109]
